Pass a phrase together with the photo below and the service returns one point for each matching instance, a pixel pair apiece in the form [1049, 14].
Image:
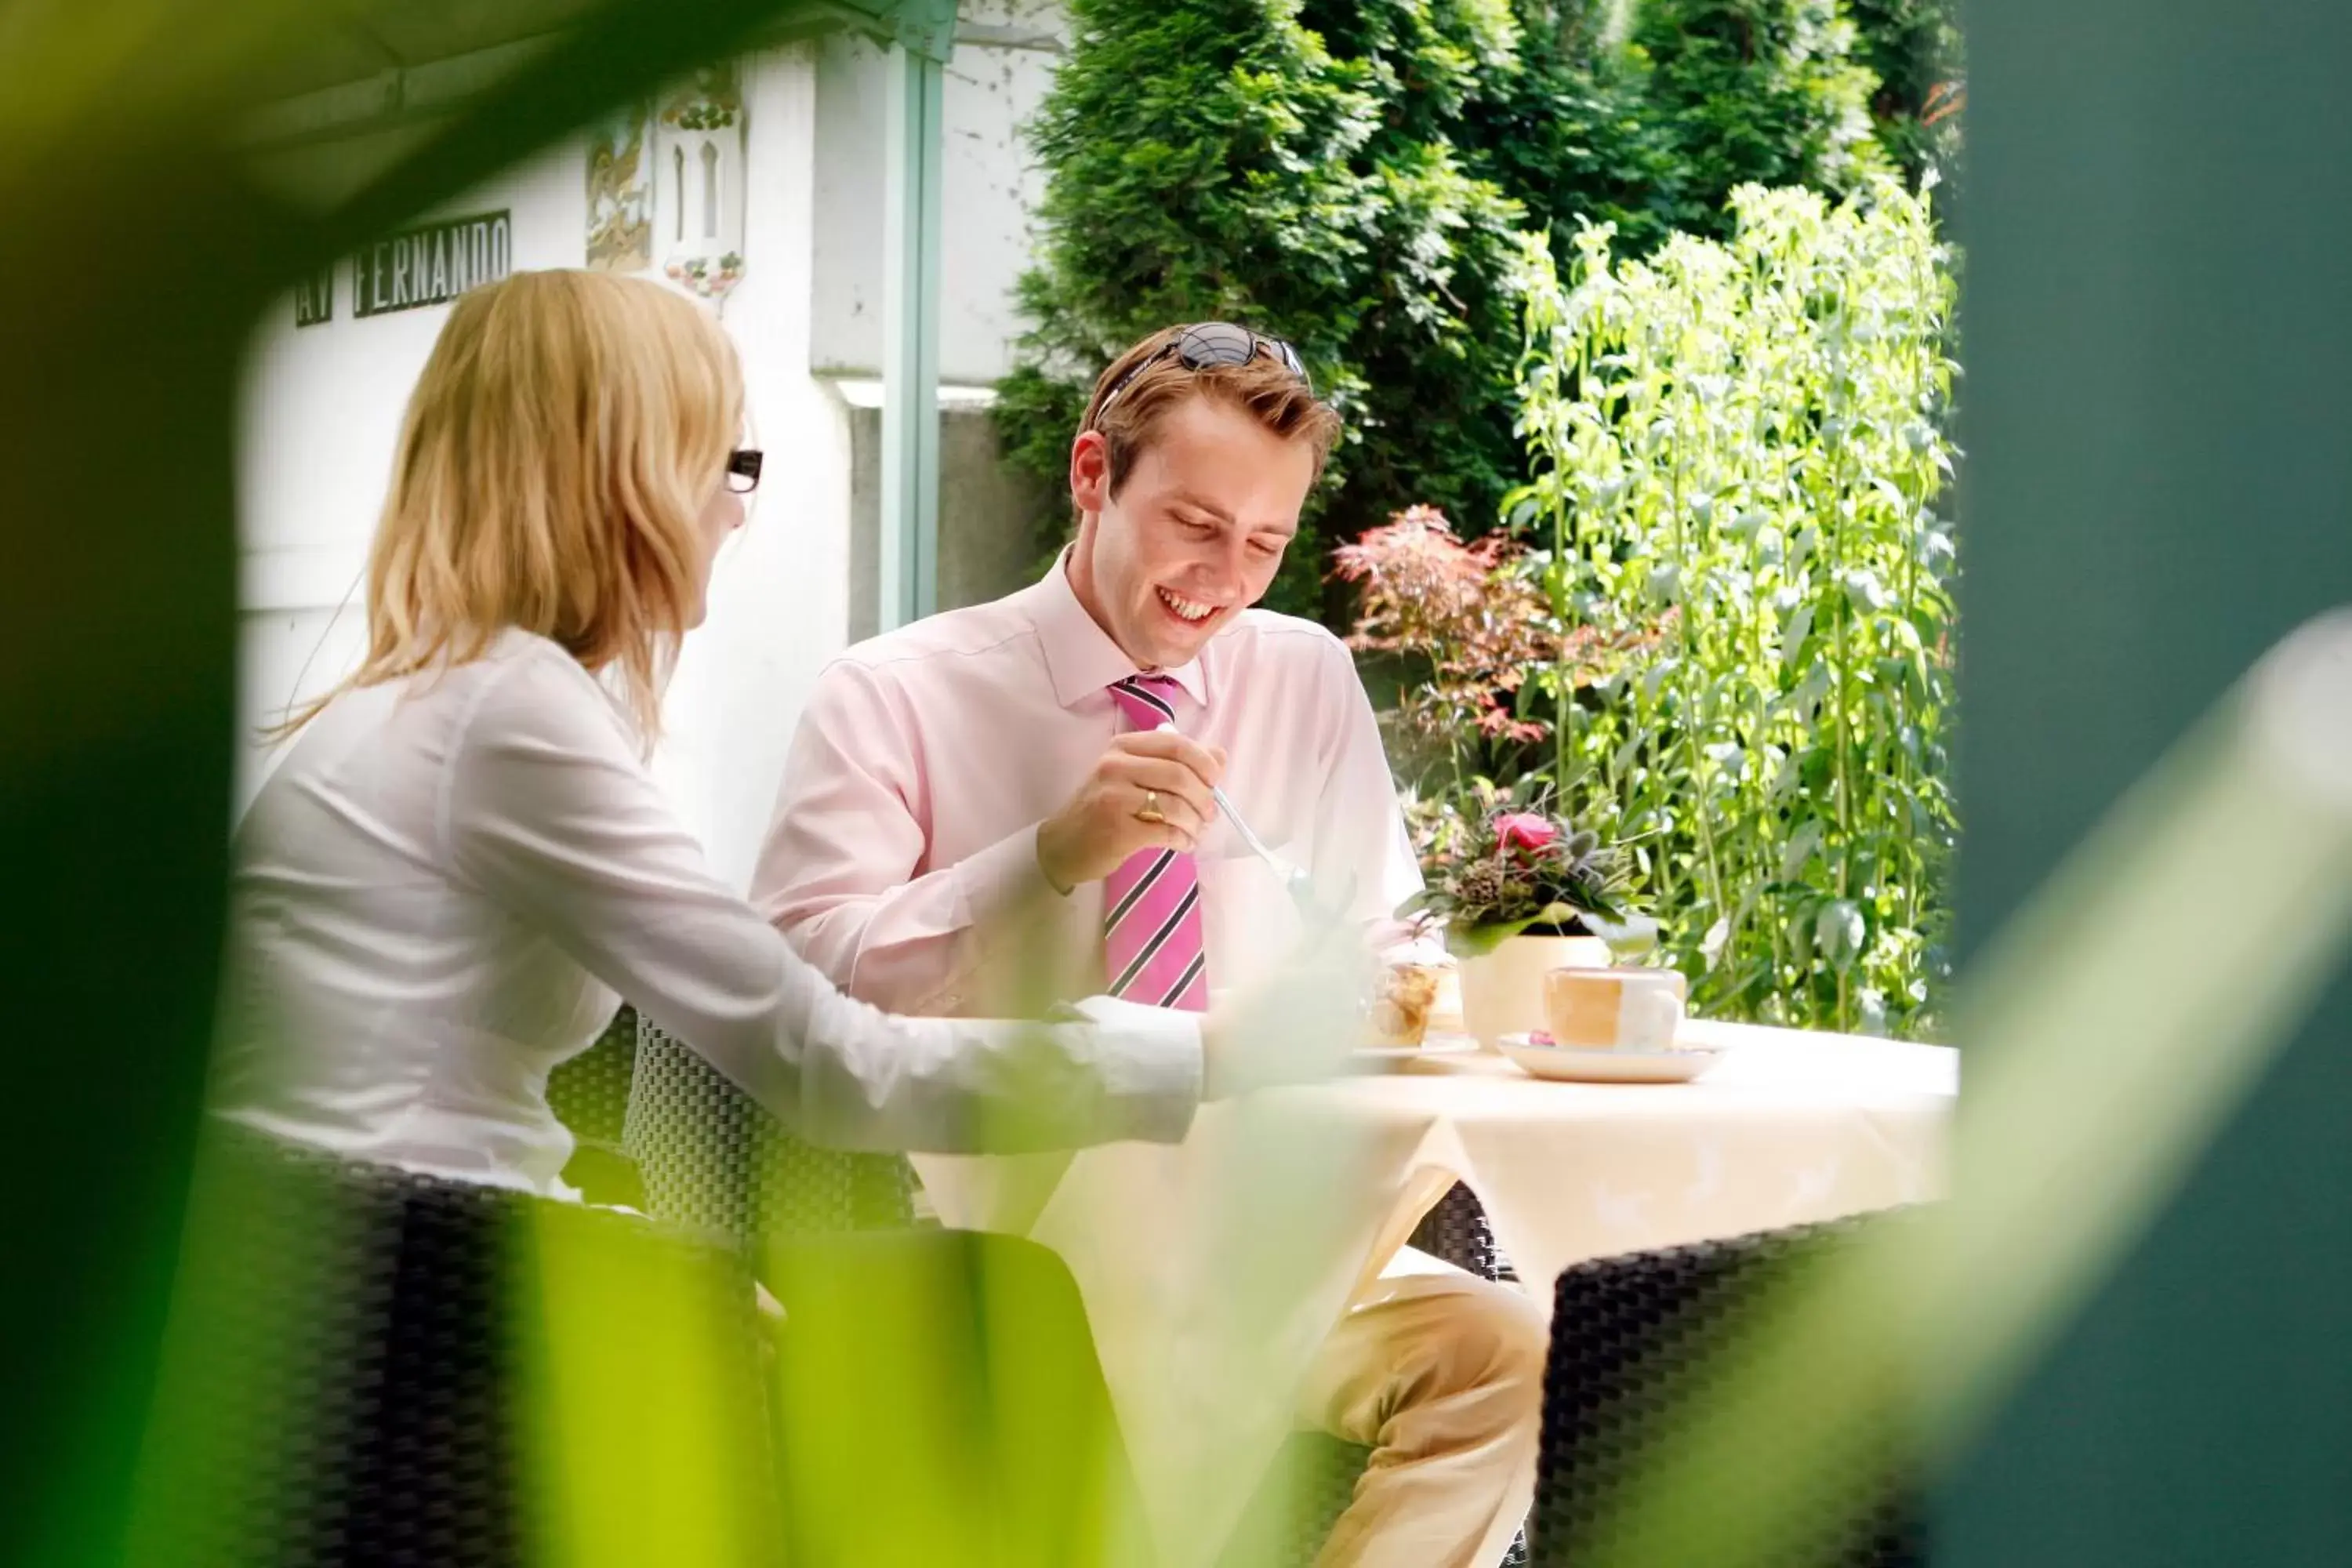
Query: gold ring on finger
[1151, 810]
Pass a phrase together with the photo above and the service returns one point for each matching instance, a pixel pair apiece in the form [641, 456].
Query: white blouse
[451, 880]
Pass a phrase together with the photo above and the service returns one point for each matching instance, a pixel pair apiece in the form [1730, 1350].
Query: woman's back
[380, 1003]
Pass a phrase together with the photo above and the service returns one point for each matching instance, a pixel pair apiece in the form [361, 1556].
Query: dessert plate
[1431, 1044]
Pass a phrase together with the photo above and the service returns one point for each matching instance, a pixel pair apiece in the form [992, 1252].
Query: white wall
[321, 413]
[989, 190]
[780, 598]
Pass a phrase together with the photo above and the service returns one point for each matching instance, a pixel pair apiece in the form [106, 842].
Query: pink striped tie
[1151, 904]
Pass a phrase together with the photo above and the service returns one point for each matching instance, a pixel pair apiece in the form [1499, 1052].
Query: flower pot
[1503, 989]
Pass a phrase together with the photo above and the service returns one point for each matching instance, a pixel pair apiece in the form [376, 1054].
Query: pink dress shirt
[903, 858]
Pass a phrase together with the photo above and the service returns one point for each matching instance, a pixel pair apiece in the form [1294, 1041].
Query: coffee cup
[1614, 1009]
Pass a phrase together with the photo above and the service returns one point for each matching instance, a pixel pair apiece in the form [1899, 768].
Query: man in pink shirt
[1004, 806]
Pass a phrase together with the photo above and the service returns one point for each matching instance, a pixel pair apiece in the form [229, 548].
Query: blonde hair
[553, 463]
[1263, 388]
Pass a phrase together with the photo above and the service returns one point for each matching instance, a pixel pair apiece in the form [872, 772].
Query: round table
[1212, 1270]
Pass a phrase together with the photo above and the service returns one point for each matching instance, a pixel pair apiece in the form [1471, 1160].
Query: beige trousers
[1441, 1374]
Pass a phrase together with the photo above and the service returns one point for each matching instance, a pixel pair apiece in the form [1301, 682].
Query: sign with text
[314, 298]
[431, 264]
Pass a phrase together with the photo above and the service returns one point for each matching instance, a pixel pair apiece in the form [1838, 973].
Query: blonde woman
[462, 864]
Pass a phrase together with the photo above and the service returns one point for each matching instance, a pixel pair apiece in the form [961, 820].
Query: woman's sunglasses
[1209, 343]
[744, 471]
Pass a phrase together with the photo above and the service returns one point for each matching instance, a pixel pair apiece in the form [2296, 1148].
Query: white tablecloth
[1212, 1270]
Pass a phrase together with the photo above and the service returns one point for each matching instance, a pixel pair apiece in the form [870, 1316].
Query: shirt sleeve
[549, 811]
[1361, 842]
[838, 872]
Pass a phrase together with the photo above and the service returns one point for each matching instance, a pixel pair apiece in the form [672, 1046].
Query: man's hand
[1088, 838]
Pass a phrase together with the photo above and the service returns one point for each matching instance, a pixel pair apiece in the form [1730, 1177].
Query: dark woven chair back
[711, 1157]
[1457, 1231]
[1626, 1332]
[590, 1094]
[343, 1382]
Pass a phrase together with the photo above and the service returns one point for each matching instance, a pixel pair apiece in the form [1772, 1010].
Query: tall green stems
[1740, 451]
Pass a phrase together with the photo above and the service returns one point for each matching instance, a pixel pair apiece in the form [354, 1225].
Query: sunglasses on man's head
[743, 469]
[1210, 344]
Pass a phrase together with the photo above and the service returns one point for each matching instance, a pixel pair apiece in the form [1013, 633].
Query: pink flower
[1525, 830]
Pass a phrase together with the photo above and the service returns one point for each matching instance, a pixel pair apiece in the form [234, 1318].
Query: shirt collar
[1080, 657]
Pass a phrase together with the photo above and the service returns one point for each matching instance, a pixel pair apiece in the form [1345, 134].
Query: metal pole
[908, 563]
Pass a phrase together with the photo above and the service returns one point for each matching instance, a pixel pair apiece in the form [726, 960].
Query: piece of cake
[1400, 1014]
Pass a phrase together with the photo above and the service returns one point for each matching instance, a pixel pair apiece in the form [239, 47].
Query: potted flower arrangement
[1520, 891]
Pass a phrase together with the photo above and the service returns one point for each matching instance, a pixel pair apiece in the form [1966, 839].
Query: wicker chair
[340, 1385]
[1624, 1330]
[590, 1094]
[709, 1157]
[1456, 1231]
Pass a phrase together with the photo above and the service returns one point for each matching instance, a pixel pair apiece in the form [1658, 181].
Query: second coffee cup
[1614, 1009]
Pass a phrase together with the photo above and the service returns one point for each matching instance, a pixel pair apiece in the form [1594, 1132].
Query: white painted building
[322, 402]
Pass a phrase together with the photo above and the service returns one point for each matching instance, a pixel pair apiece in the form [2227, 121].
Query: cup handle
[1660, 1011]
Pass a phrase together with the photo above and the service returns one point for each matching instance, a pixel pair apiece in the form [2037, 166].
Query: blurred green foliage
[149, 238]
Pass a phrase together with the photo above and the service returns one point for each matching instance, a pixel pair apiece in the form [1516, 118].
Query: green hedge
[1355, 174]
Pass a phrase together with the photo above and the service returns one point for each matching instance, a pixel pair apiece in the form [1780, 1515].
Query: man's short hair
[1275, 395]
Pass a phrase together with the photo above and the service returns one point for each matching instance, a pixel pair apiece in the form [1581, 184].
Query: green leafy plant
[1741, 443]
[1222, 159]
[1509, 867]
[1752, 92]
[1356, 174]
[1649, 116]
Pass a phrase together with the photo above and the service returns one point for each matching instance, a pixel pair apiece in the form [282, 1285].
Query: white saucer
[1608, 1067]
[1431, 1044]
